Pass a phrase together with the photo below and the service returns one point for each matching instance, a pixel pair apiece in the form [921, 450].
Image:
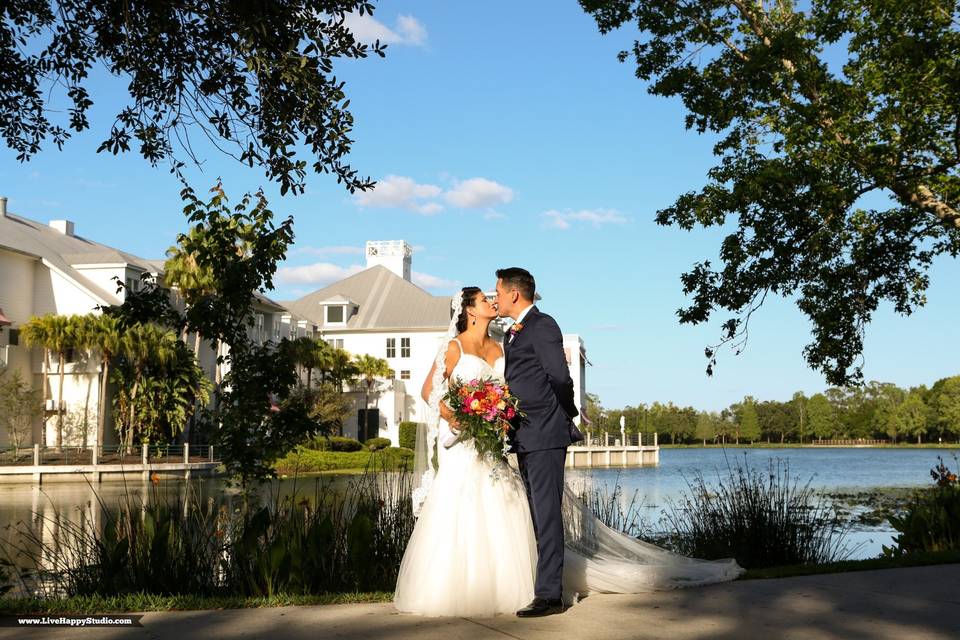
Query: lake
[833, 470]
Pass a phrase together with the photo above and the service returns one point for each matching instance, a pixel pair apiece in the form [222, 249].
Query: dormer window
[338, 310]
[336, 314]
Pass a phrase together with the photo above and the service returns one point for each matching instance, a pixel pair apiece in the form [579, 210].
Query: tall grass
[317, 541]
[763, 518]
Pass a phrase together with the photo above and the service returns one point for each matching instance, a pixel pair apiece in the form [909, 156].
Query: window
[404, 347]
[334, 315]
[14, 337]
[129, 284]
[391, 347]
[136, 284]
[404, 375]
[336, 343]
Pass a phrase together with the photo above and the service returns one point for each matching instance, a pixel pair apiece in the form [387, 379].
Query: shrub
[408, 435]
[305, 460]
[761, 518]
[932, 518]
[335, 443]
[375, 444]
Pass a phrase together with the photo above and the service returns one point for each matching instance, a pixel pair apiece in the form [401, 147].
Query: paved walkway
[912, 604]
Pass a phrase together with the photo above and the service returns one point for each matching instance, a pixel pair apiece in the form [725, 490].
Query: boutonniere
[516, 328]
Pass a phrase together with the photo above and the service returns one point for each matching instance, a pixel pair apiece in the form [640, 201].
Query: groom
[537, 373]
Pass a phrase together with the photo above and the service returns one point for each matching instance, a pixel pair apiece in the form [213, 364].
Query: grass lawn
[139, 602]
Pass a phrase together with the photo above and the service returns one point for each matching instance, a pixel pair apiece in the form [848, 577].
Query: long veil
[425, 452]
[598, 559]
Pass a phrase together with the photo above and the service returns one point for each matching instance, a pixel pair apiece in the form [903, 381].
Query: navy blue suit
[538, 375]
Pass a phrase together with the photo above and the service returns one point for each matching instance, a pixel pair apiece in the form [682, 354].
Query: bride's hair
[469, 297]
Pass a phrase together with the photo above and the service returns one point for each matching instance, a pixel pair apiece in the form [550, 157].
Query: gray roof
[62, 251]
[384, 300]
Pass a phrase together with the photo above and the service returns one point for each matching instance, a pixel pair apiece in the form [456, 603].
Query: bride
[473, 552]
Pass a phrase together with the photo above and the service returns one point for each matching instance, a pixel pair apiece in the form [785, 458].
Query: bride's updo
[469, 297]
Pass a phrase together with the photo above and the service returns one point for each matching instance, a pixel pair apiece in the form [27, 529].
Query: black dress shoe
[541, 607]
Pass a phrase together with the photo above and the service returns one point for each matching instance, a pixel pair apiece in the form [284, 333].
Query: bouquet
[484, 409]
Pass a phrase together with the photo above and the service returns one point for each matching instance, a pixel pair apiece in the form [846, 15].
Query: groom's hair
[519, 279]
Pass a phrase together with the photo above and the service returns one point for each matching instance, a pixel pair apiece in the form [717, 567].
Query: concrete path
[913, 604]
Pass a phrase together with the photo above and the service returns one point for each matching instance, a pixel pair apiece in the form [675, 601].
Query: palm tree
[36, 333]
[143, 345]
[371, 368]
[101, 333]
[195, 283]
[342, 368]
[55, 334]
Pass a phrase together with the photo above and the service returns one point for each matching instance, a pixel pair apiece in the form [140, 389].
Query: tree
[912, 416]
[142, 347]
[370, 368]
[54, 334]
[777, 419]
[887, 399]
[841, 182]
[799, 401]
[705, 427]
[947, 406]
[821, 416]
[749, 423]
[342, 369]
[105, 338]
[256, 80]
[36, 333]
[19, 407]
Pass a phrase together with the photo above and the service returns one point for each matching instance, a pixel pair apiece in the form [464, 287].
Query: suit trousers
[542, 473]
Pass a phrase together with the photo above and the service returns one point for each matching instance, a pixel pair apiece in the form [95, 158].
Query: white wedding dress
[473, 552]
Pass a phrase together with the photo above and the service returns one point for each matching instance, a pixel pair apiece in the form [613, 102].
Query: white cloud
[403, 193]
[478, 193]
[328, 251]
[408, 30]
[412, 31]
[597, 217]
[428, 281]
[318, 273]
[494, 215]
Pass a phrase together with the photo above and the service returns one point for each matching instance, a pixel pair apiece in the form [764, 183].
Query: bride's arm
[450, 361]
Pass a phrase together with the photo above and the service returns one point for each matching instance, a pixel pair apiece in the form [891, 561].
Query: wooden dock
[183, 465]
[607, 451]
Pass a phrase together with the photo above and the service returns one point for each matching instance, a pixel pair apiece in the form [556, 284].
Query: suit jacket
[538, 375]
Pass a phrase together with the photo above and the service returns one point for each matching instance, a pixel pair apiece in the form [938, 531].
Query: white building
[48, 268]
[380, 312]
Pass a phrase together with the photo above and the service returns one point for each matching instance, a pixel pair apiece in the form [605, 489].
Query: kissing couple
[504, 536]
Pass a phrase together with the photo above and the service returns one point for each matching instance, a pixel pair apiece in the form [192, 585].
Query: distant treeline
[875, 411]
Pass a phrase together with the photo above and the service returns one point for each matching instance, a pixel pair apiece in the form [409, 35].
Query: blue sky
[505, 134]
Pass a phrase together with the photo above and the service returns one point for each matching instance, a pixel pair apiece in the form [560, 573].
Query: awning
[4, 321]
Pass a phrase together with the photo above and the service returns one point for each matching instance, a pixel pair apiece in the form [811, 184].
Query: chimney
[3, 206]
[395, 255]
[63, 226]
